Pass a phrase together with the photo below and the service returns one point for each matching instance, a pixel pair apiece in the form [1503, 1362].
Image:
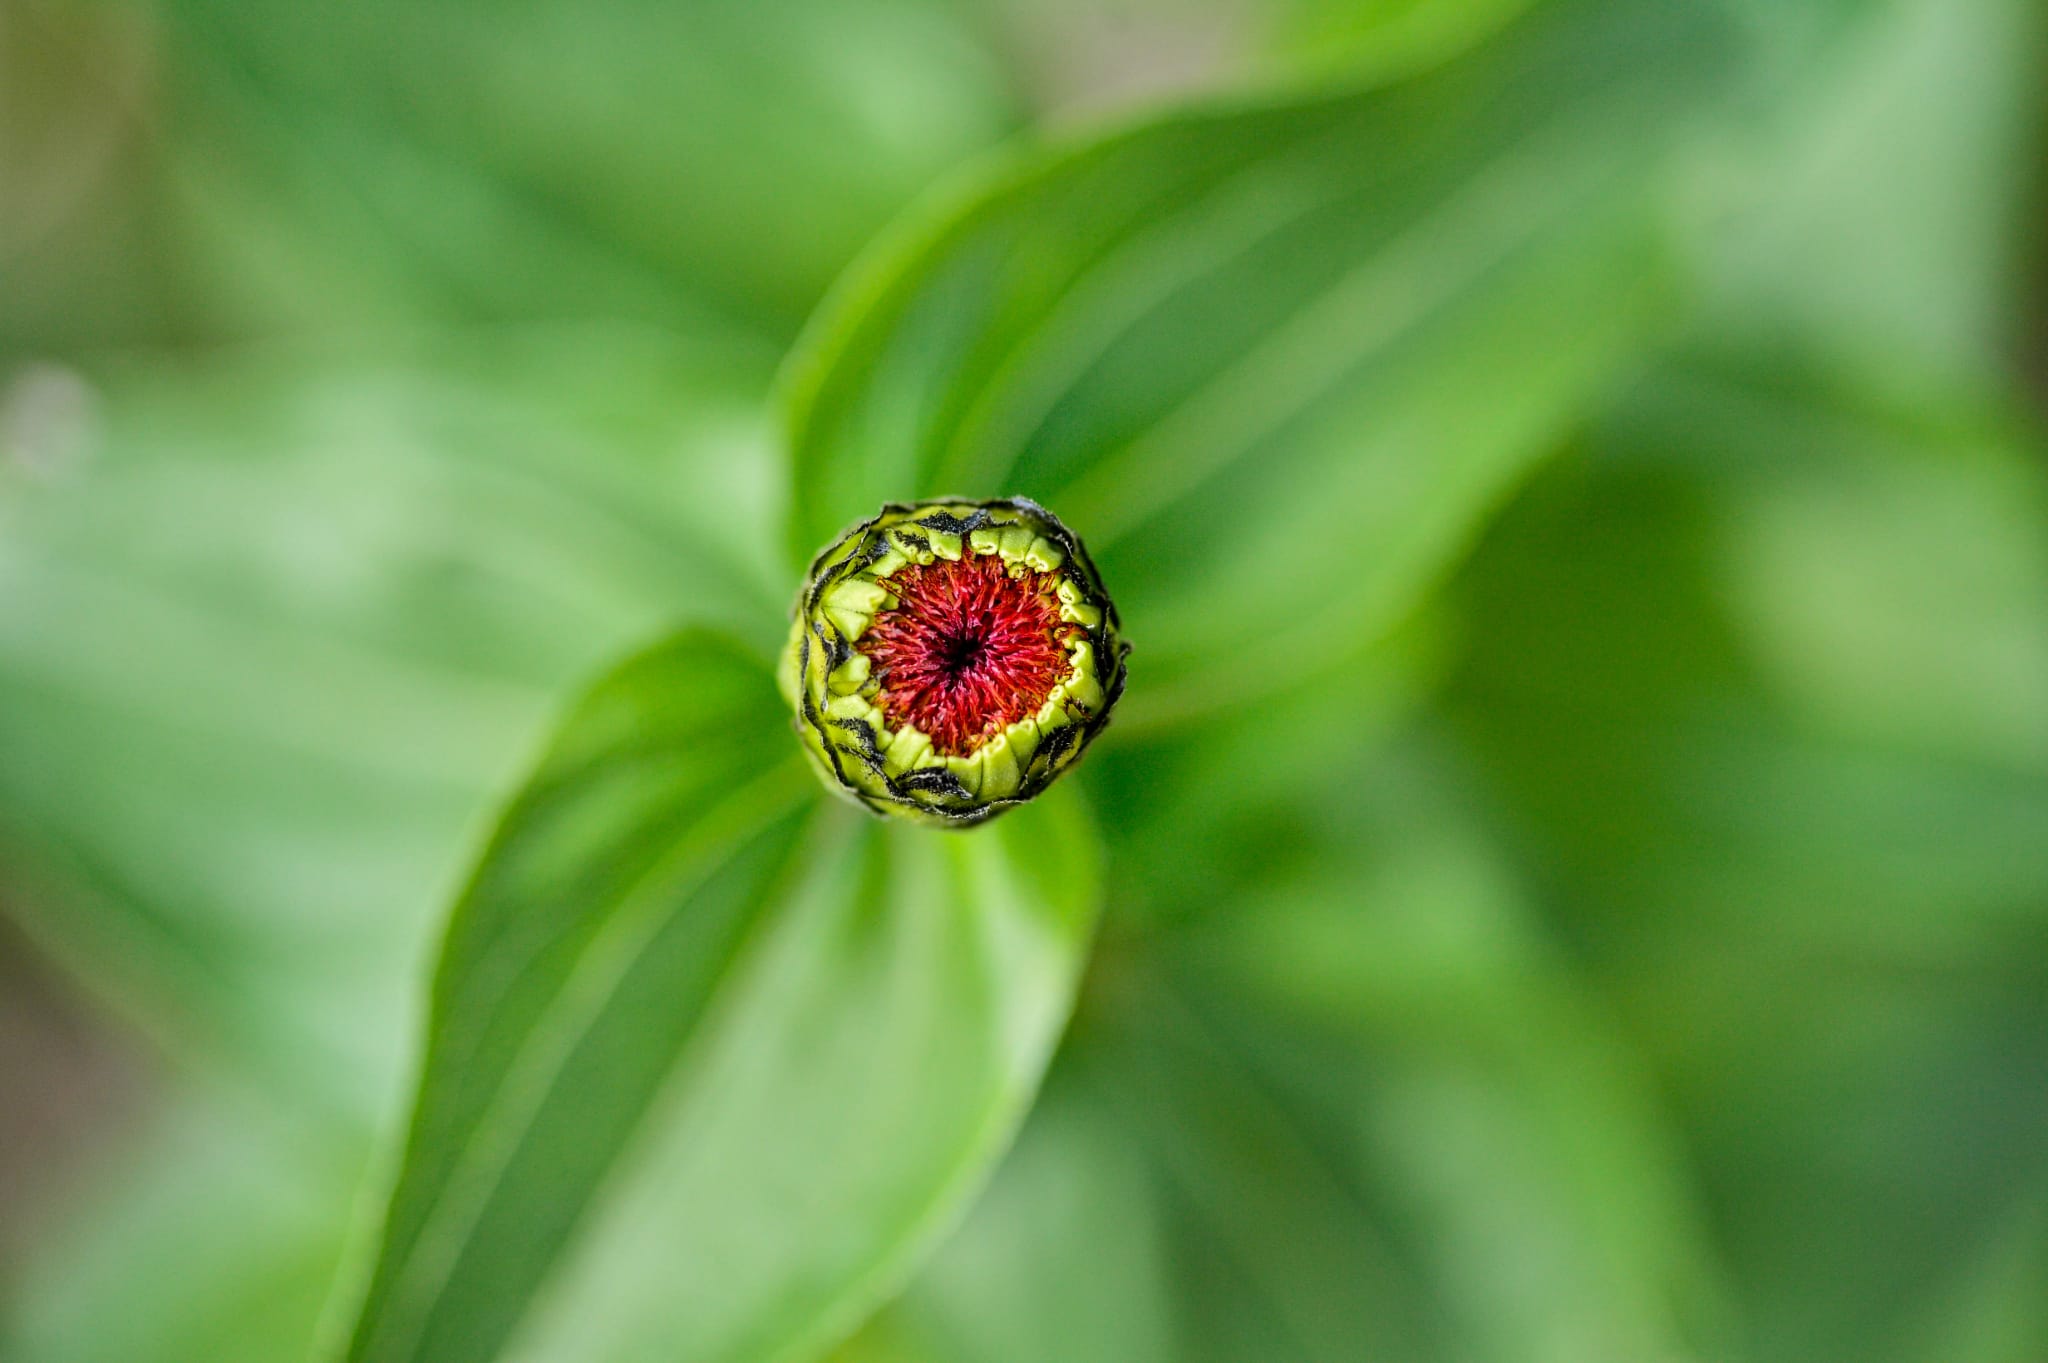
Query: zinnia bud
[949, 659]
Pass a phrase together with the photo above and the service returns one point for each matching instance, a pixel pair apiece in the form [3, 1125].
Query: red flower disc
[967, 650]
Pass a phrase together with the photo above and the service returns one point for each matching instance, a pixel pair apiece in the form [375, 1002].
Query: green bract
[950, 658]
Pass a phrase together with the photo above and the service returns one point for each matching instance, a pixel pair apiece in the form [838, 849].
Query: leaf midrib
[530, 1076]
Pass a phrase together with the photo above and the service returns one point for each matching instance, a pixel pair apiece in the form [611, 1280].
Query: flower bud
[949, 659]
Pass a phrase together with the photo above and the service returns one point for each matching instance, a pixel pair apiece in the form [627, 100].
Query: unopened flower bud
[949, 659]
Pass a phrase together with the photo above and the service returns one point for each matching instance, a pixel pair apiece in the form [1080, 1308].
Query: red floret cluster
[968, 649]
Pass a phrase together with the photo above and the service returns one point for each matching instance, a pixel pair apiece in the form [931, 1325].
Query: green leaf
[1760, 682]
[711, 1058]
[1771, 660]
[274, 630]
[1354, 1105]
[1190, 808]
[1064, 1256]
[614, 159]
[1497, 1167]
[1274, 362]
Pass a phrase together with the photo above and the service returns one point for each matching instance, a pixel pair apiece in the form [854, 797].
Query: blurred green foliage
[1576, 845]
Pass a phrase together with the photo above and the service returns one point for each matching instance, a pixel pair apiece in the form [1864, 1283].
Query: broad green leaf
[1274, 361]
[274, 629]
[1276, 1255]
[552, 158]
[1190, 808]
[1350, 1105]
[1788, 670]
[710, 1058]
[1392, 1005]
[1066, 1255]
[1759, 685]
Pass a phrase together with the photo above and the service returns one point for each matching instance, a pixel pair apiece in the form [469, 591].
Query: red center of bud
[967, 650]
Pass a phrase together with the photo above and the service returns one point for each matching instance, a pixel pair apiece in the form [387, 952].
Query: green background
[1567, 883]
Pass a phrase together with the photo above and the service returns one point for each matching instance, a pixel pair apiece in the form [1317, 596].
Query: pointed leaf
[274, 628]
[710, 1057]
[1274, 362]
